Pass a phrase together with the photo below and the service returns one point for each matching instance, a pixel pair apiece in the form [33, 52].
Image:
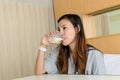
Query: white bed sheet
[112, 63]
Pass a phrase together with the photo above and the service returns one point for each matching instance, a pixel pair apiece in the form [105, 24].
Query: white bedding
[112, 63]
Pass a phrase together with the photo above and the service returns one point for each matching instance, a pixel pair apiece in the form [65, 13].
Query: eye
[64, 28]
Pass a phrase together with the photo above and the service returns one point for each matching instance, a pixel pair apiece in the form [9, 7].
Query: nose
[61, 33]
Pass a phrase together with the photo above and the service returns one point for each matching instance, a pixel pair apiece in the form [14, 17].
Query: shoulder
[92, 51]
[96, 58]
[95, 54]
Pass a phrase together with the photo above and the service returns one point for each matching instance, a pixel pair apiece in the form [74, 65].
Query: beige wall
[81, 6]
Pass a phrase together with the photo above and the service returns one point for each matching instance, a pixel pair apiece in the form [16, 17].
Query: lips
[63, 39]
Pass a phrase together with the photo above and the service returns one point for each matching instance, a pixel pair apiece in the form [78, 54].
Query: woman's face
[67, 32]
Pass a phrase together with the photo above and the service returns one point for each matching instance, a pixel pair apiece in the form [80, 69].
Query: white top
[95, 63]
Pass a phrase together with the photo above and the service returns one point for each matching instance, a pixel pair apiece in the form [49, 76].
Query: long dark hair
[80, 55]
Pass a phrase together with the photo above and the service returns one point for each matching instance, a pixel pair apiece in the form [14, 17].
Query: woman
[73, 55]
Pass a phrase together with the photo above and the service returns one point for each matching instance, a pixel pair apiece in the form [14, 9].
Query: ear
[78, 28]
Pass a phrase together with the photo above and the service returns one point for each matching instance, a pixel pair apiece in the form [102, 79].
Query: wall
[81, 6]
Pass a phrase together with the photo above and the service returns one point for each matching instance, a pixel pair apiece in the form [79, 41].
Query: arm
[47, 64]
[39, 68]
[40, 63]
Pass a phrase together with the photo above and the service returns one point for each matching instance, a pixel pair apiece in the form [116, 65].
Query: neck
[72, 47]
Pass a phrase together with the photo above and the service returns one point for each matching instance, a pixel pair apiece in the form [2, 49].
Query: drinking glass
[55, 38]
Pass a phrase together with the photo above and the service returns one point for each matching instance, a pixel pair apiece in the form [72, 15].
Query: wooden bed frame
[109, 44]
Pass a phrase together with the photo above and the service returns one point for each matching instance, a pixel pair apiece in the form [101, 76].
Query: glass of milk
[55, 39]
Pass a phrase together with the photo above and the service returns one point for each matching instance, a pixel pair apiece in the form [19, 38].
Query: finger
[47, 35]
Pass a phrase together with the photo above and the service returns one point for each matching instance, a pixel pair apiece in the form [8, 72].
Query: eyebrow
[61, 27]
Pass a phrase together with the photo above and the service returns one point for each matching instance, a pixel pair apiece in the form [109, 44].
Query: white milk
[55, 39]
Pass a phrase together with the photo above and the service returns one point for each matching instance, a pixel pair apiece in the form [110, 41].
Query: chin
[65, 44]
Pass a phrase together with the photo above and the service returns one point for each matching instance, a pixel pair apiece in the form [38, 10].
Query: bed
[110, 46]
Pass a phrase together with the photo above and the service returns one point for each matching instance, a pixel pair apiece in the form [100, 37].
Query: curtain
[22, 25]
[102, 27]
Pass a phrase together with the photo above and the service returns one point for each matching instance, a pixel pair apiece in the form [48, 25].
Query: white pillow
[112, 63]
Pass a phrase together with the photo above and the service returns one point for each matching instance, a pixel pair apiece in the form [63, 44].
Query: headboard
[107, 44]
